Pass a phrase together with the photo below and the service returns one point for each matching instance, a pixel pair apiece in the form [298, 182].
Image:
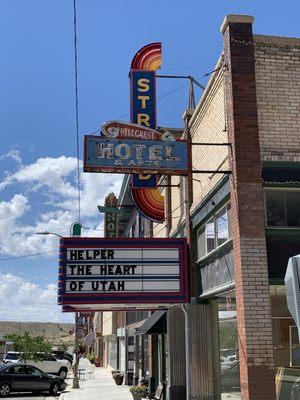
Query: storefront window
[282, 208]
[292, 201]
[215, 232]
[281, 321]
[286, 346]
[229, 354]
[201, 243]
[112, 351]
[222, 227]
[210, 235]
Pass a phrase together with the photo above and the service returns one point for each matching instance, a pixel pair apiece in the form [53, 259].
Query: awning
[136, 325]
[89, 339]
[156, 324]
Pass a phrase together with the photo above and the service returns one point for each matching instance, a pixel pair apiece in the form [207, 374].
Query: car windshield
[12, 356]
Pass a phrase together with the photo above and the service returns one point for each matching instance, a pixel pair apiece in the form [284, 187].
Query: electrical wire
[76, 106]
[44, 252]
[166, 224]
[181, 67]
[29, 255]
[163, 96]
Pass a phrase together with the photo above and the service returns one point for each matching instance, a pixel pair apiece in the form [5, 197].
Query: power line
[44, 252]
[181, 67]
[166, 224]
[76, 106]
[163, 96]
[29, 255]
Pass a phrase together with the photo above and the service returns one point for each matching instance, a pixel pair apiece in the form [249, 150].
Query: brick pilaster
[248, 231]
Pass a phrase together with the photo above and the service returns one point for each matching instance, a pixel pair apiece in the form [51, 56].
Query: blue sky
[37, 113]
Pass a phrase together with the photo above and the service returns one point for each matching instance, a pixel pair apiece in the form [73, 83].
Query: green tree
[29, 346]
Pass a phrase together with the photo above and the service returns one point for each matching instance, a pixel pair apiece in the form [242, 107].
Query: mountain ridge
[53, 331]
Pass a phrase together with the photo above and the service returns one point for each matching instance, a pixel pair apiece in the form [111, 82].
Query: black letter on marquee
[73, 286]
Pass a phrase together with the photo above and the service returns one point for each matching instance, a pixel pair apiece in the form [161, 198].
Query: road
[30, 396]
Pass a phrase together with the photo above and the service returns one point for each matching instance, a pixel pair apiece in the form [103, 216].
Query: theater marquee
[135, 271]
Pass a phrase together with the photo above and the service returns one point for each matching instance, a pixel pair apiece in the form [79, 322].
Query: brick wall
[277, 68]
[248, 231]
[207, 125]
[176, 203]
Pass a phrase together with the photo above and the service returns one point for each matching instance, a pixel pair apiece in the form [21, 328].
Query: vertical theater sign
[144, 65]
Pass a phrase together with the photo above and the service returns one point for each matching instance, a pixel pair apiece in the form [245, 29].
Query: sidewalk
[100, 386]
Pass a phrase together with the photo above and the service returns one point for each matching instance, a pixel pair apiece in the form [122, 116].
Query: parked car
[28, 378]
[62, 355]
[46, 362]
[11, 357]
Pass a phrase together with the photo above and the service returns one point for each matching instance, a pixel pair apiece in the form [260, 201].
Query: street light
[49, 233]
[75, 373]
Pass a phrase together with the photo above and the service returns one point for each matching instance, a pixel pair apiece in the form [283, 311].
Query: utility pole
[76, 231]
[75, 370]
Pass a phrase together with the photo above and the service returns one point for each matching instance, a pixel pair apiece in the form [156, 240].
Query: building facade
[240, 211]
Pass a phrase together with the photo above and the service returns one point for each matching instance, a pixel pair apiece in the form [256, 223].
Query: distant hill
[52, 331]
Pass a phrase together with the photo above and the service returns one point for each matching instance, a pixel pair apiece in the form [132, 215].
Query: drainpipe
[187, 351]
[188, 194]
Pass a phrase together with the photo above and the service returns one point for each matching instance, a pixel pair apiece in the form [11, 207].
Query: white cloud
[14, 155]
[44, 199]
[54, 180]
[22, 300]
[48, 172]
[58, 176]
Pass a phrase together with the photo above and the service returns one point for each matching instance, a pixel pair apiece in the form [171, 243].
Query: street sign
[118, 271]
[103, 154]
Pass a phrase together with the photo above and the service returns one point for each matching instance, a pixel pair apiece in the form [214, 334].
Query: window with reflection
[282, 208]
[33, 371]
[222, 226]
[215, 232]
[210, 235]
[229, 352]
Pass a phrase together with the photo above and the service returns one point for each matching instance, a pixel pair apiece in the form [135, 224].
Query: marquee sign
[136, 271]
[133, 156]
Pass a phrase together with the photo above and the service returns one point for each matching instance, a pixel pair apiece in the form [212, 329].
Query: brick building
[245, 223]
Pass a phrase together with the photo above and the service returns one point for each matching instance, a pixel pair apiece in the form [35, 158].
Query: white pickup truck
[46, 362]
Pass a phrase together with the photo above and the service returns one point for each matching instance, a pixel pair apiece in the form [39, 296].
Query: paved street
[100, 386]
[30, 396]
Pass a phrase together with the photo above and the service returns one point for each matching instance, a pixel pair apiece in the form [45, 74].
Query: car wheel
[63, 373]
[5, 389]
[54, 389]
